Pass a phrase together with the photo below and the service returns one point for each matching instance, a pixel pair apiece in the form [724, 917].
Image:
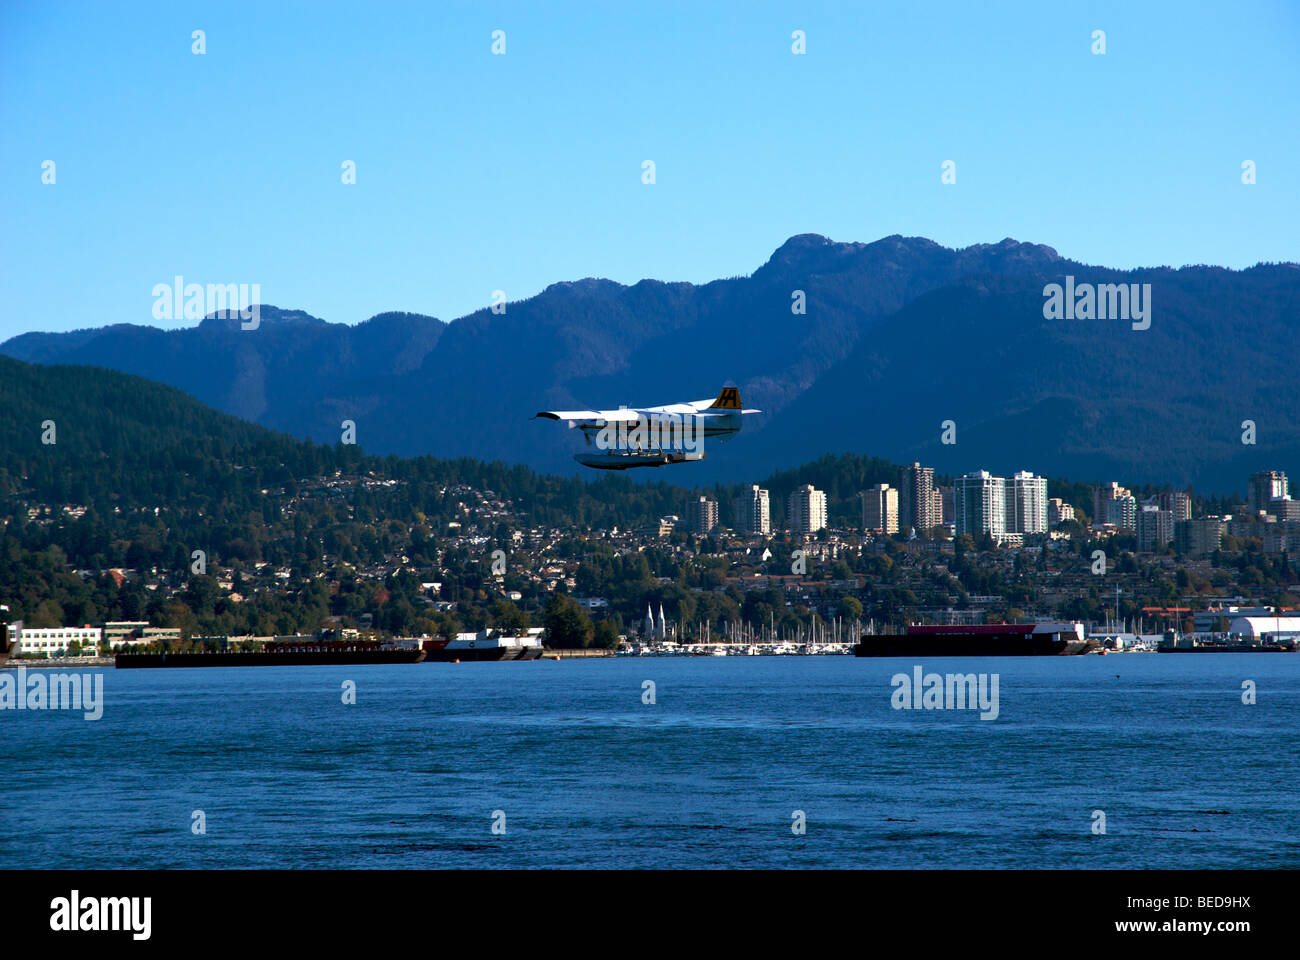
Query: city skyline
[979, 502]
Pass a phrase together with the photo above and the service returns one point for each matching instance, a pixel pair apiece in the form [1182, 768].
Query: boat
[279, 653]
[981, 640]
[7, 646]
[484, 645]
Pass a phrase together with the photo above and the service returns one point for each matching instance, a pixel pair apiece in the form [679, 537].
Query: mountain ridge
[885, 314]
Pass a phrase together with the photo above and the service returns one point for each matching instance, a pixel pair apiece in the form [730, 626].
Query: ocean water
[581, 772]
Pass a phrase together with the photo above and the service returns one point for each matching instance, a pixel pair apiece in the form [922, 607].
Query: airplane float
[654, 436]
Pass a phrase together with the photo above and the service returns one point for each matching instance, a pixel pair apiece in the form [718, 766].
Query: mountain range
[898, 336]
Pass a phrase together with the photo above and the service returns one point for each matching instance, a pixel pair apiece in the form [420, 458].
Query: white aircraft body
[654, 436]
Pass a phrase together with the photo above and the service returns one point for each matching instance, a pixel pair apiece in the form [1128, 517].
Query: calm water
[589, 776]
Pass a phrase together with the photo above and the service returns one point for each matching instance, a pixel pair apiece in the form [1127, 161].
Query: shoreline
[61, 662]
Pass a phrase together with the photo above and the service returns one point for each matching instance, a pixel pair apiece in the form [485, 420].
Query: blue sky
[478, 172]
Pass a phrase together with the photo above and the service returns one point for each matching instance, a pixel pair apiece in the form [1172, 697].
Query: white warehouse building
[1282, 627]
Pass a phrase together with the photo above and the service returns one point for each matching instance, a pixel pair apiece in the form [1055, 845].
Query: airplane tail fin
[728, 399]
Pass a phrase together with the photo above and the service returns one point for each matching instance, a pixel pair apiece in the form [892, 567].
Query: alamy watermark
[954, 691]
[653, 431]
[193, 301]
[75, 913]
[1102, 301]
[53, 691]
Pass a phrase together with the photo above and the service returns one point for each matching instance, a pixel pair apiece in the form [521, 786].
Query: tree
[606, 635]
[567, 625]
[450, 627]
[48, 614]
[850, 608]
[508, 618]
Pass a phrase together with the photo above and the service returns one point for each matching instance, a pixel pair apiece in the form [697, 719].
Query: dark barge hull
[1013, 646]
[286, 659]
[483, 654]
[983, 640]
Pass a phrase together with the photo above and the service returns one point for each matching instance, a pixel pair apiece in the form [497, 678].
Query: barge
[280, 654]
[982, 640]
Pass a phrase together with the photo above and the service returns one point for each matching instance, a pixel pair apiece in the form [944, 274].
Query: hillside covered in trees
[109, 484]
[103, 470]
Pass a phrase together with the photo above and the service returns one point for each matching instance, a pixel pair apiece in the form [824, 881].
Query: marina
[737, 649]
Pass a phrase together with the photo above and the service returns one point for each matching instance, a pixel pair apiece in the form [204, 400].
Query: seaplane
[654, 436]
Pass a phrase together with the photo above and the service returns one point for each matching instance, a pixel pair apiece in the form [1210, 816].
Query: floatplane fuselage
[654, 436]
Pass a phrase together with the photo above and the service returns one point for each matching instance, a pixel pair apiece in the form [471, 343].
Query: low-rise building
[131, 633]
[1058, 511]
[57, 641]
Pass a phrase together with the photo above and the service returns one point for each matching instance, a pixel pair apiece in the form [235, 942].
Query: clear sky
[477, 172]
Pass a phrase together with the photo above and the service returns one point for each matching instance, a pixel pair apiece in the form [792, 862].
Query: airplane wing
[726, 404]
[609, 416]
[685, 409]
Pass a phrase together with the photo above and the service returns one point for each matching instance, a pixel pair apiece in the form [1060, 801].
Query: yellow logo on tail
[728, 399]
